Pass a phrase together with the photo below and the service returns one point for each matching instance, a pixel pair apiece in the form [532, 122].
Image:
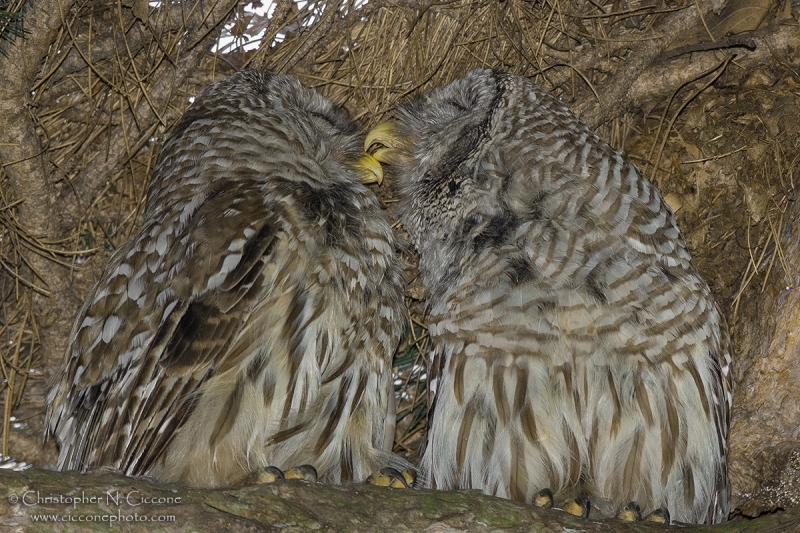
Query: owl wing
[140, 354]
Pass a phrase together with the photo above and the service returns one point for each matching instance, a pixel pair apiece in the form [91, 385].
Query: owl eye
[330, 120]
[457, 105]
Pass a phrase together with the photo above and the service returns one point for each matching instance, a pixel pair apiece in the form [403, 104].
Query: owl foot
[630, 513]
[659, 516]
[271, 474]
[391, 477]
[303, 472]
[543, 499]
[578, 506]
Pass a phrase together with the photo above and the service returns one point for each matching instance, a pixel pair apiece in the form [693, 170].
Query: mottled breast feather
[253, 318]
[575, 345]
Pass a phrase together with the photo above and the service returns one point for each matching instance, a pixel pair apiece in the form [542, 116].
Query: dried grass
[767, 250]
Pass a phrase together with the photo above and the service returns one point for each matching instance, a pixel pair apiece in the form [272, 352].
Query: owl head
[471, 161]
[434, 147]
[283, 119]
[305, 116]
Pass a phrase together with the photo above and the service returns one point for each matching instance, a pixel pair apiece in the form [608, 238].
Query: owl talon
[410, 477]
[303, 473]
[543, 499]
[265, 475]
[271, 474]
[659, 516]
[393, 478]
[578, 507]
[630, 513]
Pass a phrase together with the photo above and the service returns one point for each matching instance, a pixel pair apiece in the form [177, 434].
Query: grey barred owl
[253, 319]
[575, 346]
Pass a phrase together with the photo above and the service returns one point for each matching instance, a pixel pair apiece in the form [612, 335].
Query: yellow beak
[369, 169]
[384, 143]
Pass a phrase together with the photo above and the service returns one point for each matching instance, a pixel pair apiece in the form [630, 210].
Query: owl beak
[384, 143]
[369, 169]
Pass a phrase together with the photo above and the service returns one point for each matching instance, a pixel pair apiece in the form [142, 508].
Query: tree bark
[27, 497]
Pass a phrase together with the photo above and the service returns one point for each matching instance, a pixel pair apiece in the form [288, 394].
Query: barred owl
[253, 318]
[575, 346]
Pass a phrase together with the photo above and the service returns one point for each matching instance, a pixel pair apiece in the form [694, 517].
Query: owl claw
[271, 474]
[630, 513]
[543, 499]
[302, 472]
[391, 477]
[410, 477]
[267, 474]
[578, 507]
[659, 516]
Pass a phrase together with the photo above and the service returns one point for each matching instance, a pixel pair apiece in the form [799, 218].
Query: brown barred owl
[575, 346]
[253, 319]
